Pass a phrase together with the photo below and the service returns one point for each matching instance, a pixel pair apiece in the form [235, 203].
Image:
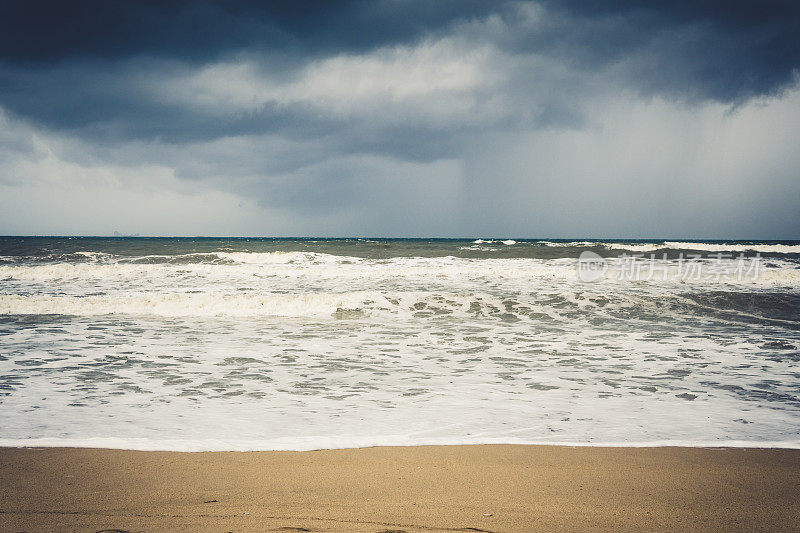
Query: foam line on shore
[327, 443]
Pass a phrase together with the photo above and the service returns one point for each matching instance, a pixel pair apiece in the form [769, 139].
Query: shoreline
[493, 488]
[220, 446]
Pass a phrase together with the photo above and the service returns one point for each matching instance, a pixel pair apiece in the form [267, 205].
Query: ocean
[295, 344]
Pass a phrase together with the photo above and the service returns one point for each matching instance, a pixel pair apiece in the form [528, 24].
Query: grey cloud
[310, 108]
[47, 31]
[70, 66]
[726, 51]
[101, 86]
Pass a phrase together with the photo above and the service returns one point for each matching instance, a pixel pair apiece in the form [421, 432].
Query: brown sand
[443, 488]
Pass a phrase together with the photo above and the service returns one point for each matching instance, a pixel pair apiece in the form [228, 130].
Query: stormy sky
[401, 118]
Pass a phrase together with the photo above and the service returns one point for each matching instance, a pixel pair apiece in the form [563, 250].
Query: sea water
[272, 344]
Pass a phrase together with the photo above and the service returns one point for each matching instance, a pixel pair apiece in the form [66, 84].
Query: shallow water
[193, 344]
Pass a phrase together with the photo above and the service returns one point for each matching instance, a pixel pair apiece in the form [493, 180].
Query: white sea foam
[244, 268]
[644, 247]
[208, 304]
[507, 242]
[298, 350]
[267, 258]
[96, 256]
[737, 247]
[479, 248]
[323, 443]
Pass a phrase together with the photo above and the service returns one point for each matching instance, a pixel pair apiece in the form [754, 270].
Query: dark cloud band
[46, 31]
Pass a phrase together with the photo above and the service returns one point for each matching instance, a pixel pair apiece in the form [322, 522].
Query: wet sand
[499, 488]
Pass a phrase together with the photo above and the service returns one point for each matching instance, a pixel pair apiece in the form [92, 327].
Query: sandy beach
[499, 488]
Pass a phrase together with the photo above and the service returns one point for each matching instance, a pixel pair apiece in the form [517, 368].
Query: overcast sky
[401, 118]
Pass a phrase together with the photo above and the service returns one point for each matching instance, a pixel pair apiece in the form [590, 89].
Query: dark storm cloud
[67, 65]
[720, 49]
[723, 50]
[368, 105]
[103, 103]
[73, 65]
[46, 31]
[107, 112]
